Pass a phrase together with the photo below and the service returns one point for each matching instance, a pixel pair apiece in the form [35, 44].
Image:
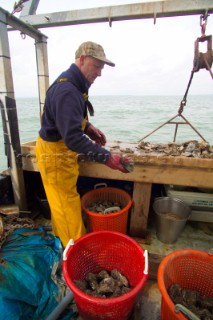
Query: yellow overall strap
[88, 104]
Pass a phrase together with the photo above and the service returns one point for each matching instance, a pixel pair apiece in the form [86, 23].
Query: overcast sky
[151, 59]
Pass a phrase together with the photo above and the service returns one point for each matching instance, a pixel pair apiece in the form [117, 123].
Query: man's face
[91, 68]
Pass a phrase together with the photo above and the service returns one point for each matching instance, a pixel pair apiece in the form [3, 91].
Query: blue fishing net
[28, 259]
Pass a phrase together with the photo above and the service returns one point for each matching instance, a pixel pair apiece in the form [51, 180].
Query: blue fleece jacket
[64, 111]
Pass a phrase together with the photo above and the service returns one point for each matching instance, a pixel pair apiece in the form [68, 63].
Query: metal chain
[183, 101]
[196, 67]
[12, 223]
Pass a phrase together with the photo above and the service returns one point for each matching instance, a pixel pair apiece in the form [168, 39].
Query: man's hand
[96, 135]
[116, 162]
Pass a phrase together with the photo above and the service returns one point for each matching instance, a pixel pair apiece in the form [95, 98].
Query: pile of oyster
[187, 149]
[201, 306]
[104, 284]
[104, 207]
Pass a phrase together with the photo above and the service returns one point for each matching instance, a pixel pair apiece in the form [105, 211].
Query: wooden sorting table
[149, 169]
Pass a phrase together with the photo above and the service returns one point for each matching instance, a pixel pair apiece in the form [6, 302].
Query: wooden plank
[30, 163]
[147, 159]
[140, 209]
[153, 174]
[160, 170]
[173, 161]
[174, 175]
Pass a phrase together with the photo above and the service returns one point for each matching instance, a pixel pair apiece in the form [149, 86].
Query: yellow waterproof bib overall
[59, 171]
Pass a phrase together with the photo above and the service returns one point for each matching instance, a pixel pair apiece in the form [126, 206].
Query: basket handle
[69, 244]
[101, 184]
[110, 209]
[185, 311]
[146, 262]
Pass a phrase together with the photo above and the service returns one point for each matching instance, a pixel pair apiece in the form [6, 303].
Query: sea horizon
[128, 118]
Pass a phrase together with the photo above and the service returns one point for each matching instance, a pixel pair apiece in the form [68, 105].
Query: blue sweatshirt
[64, 111]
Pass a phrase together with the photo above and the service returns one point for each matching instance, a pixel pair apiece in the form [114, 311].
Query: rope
[12, 223]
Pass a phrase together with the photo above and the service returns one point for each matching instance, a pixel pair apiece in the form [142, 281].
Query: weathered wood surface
[195, 172]
[140, 209]
[160, 169]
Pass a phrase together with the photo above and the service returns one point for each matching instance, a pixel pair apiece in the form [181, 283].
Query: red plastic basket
[105, 250]
[191, 269]
[113, 221]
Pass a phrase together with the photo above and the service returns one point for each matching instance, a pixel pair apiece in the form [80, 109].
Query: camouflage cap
[94, 50]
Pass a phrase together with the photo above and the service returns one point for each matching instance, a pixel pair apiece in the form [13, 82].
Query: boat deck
[196, 235]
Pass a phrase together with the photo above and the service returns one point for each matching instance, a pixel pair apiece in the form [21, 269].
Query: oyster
[104, 284]
[201, 306]
[191, 148]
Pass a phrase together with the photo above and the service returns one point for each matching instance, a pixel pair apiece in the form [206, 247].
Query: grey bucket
[171, 217]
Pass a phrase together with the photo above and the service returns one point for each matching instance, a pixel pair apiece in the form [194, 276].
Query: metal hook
[182, 105]
[155, 17]
[23, 35]
[110, 19]
[110, 22]
[203, 22]
[206, 15]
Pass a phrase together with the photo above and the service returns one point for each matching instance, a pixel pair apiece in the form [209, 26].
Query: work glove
[96, 135]
[117, 162]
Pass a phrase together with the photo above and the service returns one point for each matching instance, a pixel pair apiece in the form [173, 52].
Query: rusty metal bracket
[203, 22]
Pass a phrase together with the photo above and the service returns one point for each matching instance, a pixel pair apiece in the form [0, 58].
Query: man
[66, 133]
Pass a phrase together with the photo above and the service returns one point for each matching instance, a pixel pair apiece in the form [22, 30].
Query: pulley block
[203, 60]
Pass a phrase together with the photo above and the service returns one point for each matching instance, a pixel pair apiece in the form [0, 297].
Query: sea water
[129, 118]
